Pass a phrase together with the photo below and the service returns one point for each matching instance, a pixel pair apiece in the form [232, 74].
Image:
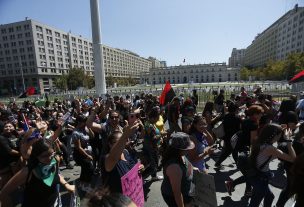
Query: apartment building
[237, 57]
[35, 54]
[283, 37]
[201, 73]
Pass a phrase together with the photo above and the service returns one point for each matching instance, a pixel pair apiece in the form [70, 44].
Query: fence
[279, 90]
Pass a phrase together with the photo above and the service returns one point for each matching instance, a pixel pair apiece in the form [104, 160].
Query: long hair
[195, 121]
[40, 146]
[169, 154]
[209, 106]
[268, 133]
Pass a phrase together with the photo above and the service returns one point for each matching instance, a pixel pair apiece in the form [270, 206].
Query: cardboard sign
[204, 190]
[132, 186]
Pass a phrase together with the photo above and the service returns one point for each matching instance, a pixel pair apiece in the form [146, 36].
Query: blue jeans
[261, 191]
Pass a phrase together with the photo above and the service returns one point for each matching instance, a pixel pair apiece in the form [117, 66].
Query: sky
[199, 31]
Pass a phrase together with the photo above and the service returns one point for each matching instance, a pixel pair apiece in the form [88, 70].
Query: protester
[173, 112]
[298, 181]
[40, 178]
[203, 141]
[298, 145]
[177, 188]
[232, 124]
[152, 141]
[117, 161]
[262, 153]
[9, 153]
[83, 151]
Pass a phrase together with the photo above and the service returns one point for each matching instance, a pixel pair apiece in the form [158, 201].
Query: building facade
[283, 37]
[35, 53]
[202, 73]
[237, 57]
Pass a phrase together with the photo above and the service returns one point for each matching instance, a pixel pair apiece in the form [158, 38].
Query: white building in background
[44, 53]
[237, 57]
[202, 73]
[283, 37]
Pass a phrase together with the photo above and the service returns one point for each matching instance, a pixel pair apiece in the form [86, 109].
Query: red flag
[167, 94]
[30, 91]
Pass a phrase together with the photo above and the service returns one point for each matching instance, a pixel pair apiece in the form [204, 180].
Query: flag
[29, 91]
[25, 123]
[41, 102]
[167, 95]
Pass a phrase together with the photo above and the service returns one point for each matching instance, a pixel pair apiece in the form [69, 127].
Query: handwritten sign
[132, 186]
[204, 190]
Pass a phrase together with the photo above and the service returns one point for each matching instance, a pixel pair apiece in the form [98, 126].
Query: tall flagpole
[21, 70]
[99, 73]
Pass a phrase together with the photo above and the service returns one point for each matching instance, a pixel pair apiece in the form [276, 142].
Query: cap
[181, 140]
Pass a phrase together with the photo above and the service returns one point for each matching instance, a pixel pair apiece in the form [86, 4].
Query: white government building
[201, 73]
[44, 53]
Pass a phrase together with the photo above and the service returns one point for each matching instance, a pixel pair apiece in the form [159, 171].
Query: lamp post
[99, 73]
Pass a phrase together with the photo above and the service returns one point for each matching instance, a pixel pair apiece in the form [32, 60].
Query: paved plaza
[154, 197]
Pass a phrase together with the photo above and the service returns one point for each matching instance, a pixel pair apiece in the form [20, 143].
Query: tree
[89, 82]
[61, 82]
[110, 80]
[276, 70]
[244, 73]
[76, 78]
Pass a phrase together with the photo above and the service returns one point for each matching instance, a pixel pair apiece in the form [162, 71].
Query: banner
[204, 190]
[132, 186]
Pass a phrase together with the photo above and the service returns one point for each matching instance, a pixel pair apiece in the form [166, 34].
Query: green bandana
[47, 172]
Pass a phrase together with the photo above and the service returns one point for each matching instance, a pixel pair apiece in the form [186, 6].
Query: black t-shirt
[172, 110]
[247, 127]
[6, 145]
[219, 99]
[113, 179]
[232, 124]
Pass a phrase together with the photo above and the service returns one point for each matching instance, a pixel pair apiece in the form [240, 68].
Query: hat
[181, 140]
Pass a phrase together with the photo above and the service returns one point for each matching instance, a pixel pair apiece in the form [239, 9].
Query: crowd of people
[108, 137]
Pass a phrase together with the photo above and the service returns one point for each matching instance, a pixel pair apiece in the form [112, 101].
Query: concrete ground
[154, 198]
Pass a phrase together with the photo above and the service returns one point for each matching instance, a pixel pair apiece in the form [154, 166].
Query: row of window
[13, 37]
[17, 28]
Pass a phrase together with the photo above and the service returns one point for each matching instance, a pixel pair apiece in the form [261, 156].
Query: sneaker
[229, 186]
[157, 178]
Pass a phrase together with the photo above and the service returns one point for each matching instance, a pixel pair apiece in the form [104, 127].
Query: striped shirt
[262, 158]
